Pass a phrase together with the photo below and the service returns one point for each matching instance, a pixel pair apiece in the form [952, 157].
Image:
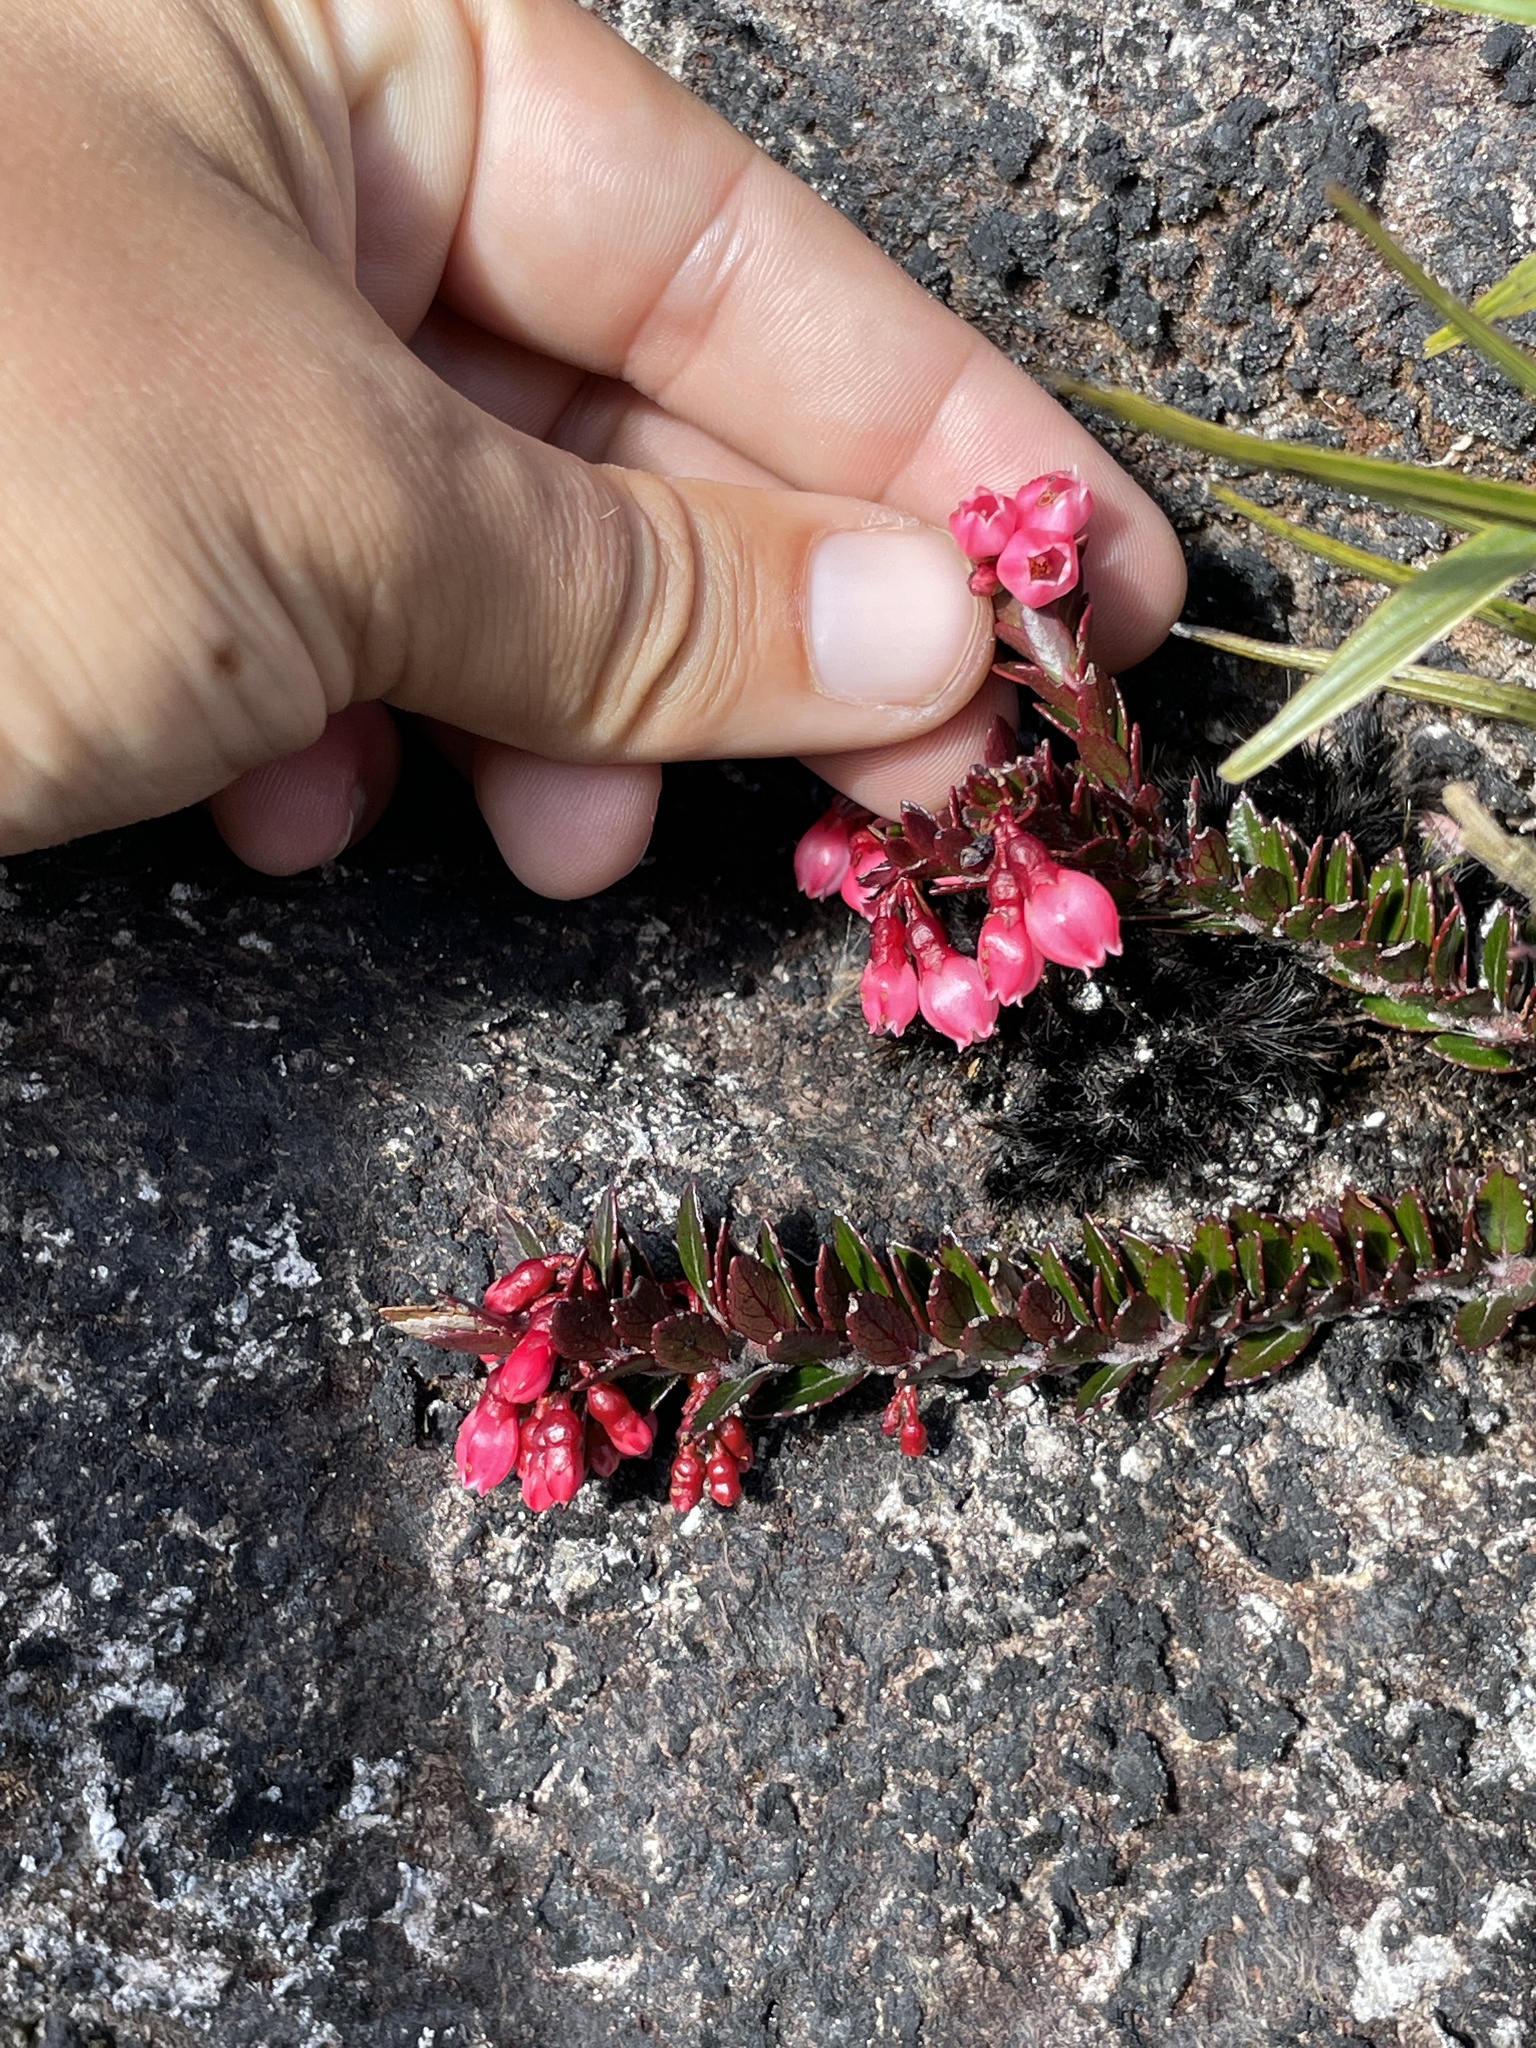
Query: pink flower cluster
[1038, 910]
[552, 1440]
[1028, 544]
[714, 1461]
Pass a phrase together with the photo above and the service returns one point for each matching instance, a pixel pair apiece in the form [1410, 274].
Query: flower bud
[914, 1437]
[487, 1444]
[603, 1459]
[724, 1479]
[732, 1435]
[561, 1454]
[888, 985]
[525, 1373]
[686, 1487]
[632, 1434]
[1071, 917]
[895, 1410]
[1011, 963]
[520, 1288]
[824, 853]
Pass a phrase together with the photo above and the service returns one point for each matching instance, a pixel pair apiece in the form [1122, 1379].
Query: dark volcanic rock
[1219, 1731]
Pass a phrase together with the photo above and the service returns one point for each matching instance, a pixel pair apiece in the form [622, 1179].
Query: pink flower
[1011, 963]
[983, 524]
[867, 854]
[516, 1290]
[823, 856]
[953, 997]
[1070, 917]
[561, 1452]
[631, 1433]
[603, 1456]
[888, 985]
[525, 1373]
[1038, 567]
[1059, 505]
[487, 1444]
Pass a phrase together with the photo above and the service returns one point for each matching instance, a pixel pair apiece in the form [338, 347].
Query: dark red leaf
[757, 1300]
[689, 1343]
[882, 1330]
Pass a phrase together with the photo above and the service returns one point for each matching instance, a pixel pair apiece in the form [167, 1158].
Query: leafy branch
[748, 1335]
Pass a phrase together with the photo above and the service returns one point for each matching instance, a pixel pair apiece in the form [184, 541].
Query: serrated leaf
[1387, 899]
[1138, 1321]
[913, 1273]
[1472, 1052]
[1397, 631]
[1102, 1388]
[1485, 1319]
[690, 1343]
[636, 1313]
[771, 1252]
[950, 1307]
[1339, 926]
[693, 1247]
[603, 1235]
[1367, 1226]
[1315, 1242]
[1056, 1274]
[1421, 923]
[1494, 953]
[1503, 1211]
[882, 1330]
[1042, 1312]
[955, 1259]
[1448, 956]
[994, 1339]
[1515, 291]
[515, 1241]
[1491, 345]
[1405, 963]
[1447, 494]
[451, 1326]
[582, 1328]
[1344, 878]
[1403, 1013]
[834, 1290]
[1265, 1351]
[1265, 896]
[864, 1270]
[1100, 1254]
[807, 1347]
[1179, 1377]
[1412, 1218]
[729, 1395]
[1161, 1273]
[1213, 1248]
[757, 1299]
[811, 1386]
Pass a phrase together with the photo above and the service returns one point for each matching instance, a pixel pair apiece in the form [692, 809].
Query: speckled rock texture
[1219, 1731]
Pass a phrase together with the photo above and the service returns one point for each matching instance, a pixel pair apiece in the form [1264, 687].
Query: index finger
[612, 220]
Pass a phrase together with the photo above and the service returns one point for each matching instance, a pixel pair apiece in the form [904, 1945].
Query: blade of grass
[1506, 10]
[1395, 633]
[1443, 493]
[1504, 612]
[1452, 687]
[1514, 293]
[1496, 348]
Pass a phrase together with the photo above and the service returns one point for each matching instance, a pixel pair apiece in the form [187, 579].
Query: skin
[444, 356]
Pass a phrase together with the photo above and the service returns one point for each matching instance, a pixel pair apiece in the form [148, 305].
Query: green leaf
[913, 1275]
[965, 1269]
[1494, 347]
[994, 1339]
[515, 1241]
[1369, 1229]
[1472, 1052]
[1448, 959]
[1503, 1211]
[771, 1252]
[1265, 1351]
[730, 1394]
[859, 1261]
[1523, 11]
[1162, 1274]
[1404, 1013]
[1313, 1241]
[812, 1386]
[1056, 1275]
[1494, 953]
[1180, 1376]
[1344, 880]
[1101, 1257]
[1421, 923]
[1515, 292]
[1213, 1249]
[1103, 1387]
[1447, 494]
[1418, 1232]
[1387, 894]
[1484, 1320]
[603, 1235]
[950, 1307]
[1504, 612]
[1397, 631]
[693, 1247]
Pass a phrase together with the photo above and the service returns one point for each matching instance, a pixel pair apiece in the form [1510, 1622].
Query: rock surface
[1215, 1731]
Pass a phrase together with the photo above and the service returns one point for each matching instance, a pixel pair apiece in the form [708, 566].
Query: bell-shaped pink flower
[953, 997]
[983, 524]
[487, 1444]
[1071, 917]
[1038, 568]
[888, 985]
[1059, 505]
[525, 1373]
[867, 854]
[1010, 961]
[824, 853]
[561, 1453]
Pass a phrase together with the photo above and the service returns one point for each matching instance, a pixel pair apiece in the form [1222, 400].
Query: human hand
[651, 485]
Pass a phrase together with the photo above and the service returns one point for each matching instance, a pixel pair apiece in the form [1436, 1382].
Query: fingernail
[891, 618]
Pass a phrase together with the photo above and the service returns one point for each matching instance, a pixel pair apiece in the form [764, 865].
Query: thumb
[599, 614]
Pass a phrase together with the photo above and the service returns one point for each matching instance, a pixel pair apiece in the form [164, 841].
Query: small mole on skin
[226, 658]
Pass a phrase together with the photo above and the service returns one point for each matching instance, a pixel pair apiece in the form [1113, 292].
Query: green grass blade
[1514, 293]
[1507, 10]
[1496, 348]
[1394, 633]
[1504, 612]
[1446, 494]
[1452, 687]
